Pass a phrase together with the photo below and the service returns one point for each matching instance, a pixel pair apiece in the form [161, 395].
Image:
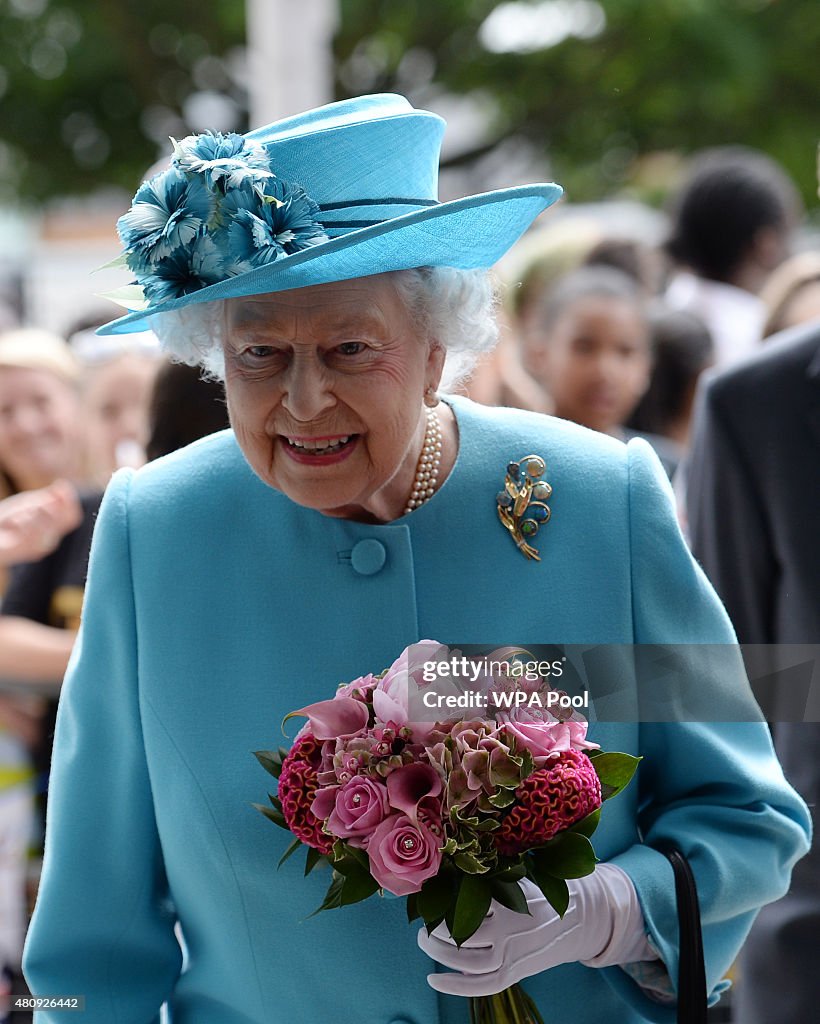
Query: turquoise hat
[346, 190]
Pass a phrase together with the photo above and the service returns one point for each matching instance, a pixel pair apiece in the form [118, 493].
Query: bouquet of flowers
[450, 814]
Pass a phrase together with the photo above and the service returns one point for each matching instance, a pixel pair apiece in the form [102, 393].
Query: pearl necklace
[424, 485]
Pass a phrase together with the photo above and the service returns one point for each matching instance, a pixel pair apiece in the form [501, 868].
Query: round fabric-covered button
[368, 556]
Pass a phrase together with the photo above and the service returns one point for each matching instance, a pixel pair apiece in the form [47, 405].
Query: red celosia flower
[297, 788]
[549, 800]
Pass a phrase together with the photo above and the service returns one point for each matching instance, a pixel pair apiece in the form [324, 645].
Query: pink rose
[540, 732]
[408, 786]
[364, 684]
[392, 692]
[361, 805]
[403, 855]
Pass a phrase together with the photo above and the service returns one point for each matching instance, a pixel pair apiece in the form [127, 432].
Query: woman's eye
[351, 348]
[259, 351]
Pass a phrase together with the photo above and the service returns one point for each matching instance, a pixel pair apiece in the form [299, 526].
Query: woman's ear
[435, 365]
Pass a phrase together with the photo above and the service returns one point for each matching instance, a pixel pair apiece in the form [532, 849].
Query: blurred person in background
[40, 436]
[546, 254]
[184, 407]
[39, 444]
[792, 294]
[500, 379]
[29, 519]
[753, 495]
[46, 595]
[732, 222]
[634, 258]
[587, 343]
[117, 378]
[682, 349]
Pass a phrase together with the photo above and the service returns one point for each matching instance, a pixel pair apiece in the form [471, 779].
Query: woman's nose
[307, 393]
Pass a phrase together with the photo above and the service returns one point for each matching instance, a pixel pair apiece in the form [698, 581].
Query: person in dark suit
[753, 497]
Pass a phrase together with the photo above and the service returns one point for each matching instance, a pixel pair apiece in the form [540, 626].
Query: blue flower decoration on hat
[268, 223]
[168, 212]
[224, 160]
[218, 211]
[188, 268]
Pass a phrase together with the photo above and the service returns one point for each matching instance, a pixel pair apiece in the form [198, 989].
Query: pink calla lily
[339, 718]
[408, 786]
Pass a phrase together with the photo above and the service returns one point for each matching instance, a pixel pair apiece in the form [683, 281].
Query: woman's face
[594, 361]
[39, 427]
[116, 396]
[325, 389]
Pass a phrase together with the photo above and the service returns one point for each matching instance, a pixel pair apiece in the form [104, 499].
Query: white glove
[603, 926]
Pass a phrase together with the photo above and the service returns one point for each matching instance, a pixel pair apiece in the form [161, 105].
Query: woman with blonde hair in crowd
[39, 417]
[39, 445]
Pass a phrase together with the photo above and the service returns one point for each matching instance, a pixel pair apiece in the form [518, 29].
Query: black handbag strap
[691, 968]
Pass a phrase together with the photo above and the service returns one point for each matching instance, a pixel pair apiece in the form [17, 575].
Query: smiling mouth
[318, 447]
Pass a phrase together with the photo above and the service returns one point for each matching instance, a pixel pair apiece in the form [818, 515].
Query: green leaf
[503, 798]
[312, 859]
[437, 896]
[615, 771]
[586, 826]
[118, 263]
[472, 904]
[294, 846]
[509, 895]
[469, 864]
[457, 819]
[357, 887]
[527, 764]
[511, 873]
[568, 855]
[555, 890]
[412, 908]
[432, 925]
[488, 825]
[270, 761]
[450, 846]
[333, 896]
[131, 296]
[359, 855]
[272, 815]
[349, 867]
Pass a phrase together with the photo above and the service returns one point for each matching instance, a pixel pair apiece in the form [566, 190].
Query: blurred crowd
[612, 331]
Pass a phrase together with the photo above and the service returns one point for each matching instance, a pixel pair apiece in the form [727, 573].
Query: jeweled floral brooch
[522, 505]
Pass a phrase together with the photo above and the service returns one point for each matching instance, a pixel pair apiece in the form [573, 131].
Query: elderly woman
[350, 512]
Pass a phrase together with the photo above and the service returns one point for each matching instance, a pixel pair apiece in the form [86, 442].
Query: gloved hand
[603, 926]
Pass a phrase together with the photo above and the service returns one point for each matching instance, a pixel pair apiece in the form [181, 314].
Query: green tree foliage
[89, 88]
[660, 75]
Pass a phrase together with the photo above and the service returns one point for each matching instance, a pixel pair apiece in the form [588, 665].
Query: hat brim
[467, 234]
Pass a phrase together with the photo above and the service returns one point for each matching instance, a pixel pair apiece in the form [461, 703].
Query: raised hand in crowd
[33, 523]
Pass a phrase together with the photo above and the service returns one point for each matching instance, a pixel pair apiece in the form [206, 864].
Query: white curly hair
[455, 308]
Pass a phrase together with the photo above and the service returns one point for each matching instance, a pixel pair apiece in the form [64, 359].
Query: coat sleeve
[713, 789]
[103, 926]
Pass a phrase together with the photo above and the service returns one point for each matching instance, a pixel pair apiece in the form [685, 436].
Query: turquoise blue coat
[215, 605]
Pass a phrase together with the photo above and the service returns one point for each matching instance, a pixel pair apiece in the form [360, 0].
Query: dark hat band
[335, 225]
